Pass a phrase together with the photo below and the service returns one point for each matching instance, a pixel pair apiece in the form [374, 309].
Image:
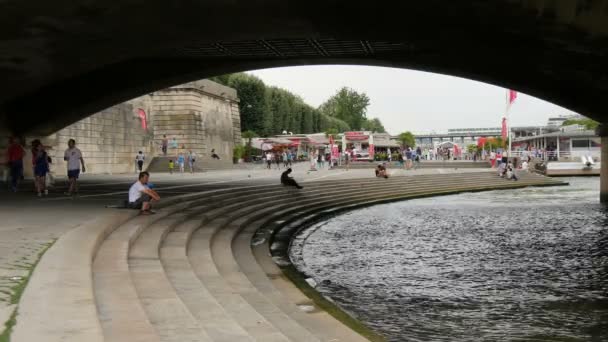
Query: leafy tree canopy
[347, 105]
[269, 110]
[588, 123]
[407, 139]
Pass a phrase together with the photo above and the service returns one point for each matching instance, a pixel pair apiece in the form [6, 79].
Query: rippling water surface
[516, 265]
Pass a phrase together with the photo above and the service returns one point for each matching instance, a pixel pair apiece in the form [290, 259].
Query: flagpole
[508, 98]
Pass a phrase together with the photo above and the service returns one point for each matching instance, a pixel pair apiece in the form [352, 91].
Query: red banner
[142, 116]
[504, 129]
[512, 96]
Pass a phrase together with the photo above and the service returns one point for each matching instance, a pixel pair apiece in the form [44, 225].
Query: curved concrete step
[203, 306]
[199, 255]
[58, 303]
[118, 306]
[229, 269]
[165, 311]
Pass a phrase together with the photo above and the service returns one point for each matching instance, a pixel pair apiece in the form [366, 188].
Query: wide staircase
[192, 273]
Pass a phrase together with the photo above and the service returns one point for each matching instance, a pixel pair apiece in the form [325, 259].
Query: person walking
[285, 159]
[41, 169]
[277, 160]
[268, 160]
[139, 160]
[171, 166]
[174, 145]
[163, 145]
[290, 157]
[191, 160]
[180, 162]
[347, 160]
[319, 160]
[15, 154]
[74, 159]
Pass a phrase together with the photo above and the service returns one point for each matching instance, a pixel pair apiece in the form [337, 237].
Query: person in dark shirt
[381, 171]
[286, 180]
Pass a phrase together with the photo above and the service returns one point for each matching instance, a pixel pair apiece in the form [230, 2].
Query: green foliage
[472, 148]
[248, 134]
[407, 139]
[374, 125]
[238, 152]
[331, 132]
[251, 91]
[347, 105]
[271, 110]
[380, 156]
[588, 123]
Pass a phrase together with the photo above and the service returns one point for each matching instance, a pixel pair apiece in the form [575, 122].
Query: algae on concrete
[17, 290]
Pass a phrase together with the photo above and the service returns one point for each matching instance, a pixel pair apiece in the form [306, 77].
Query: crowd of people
[41, 165]
[283, 159]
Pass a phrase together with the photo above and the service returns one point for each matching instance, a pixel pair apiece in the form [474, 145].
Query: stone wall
[201, 115]
[109, 140]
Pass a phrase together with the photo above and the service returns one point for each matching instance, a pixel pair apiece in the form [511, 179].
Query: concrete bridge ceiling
[61, 61]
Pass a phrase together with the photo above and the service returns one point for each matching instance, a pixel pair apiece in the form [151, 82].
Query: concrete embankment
[209, 266]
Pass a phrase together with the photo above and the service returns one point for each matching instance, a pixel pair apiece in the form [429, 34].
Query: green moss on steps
[17, 291]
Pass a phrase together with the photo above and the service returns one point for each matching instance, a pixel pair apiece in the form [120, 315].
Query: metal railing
[554, 156]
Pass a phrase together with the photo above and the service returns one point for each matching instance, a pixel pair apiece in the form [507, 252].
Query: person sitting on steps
[141, 196]
[286, 180]
[214, 155]
[381, 171]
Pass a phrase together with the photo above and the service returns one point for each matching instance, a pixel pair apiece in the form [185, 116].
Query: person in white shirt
[74, 158]
[141, 196]
[139, 159]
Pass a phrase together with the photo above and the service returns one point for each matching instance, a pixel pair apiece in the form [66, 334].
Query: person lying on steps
[141, 196]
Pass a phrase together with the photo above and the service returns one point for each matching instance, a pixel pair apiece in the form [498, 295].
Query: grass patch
[8, 327]
[297, 279]
[17, 292]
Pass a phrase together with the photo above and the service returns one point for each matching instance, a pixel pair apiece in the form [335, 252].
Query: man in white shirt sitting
[141, 196]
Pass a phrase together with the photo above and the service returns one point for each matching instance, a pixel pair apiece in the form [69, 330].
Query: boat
[586, 166]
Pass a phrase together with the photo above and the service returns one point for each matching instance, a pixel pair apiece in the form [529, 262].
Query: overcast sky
[407, 100]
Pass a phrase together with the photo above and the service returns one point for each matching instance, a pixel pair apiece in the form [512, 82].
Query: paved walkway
[30, 223]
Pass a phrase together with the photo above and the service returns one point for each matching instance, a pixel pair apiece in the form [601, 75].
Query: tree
[331, 132]
[407, 139]
[589, 124]
[472, 148]
[374, 125]
[249, 135]
[347, 105]
[251, 91]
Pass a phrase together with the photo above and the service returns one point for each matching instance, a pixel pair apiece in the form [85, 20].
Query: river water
[516, 265]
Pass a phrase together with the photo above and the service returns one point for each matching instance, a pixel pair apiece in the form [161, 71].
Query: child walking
[171, 166]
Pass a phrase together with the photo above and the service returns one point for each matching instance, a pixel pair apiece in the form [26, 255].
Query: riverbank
[250, 198]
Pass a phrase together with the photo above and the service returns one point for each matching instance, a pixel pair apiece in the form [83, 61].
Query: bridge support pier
[603, 132]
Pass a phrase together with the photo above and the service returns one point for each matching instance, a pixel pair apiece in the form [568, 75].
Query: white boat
[585, 167]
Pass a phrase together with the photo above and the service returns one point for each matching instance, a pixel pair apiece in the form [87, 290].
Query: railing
[554, 156]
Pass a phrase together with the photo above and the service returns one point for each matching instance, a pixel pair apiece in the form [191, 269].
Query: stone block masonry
[201, 115]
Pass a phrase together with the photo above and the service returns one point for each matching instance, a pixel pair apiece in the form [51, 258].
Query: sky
[409, 100]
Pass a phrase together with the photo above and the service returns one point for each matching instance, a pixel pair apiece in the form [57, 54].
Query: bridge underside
[61, 62]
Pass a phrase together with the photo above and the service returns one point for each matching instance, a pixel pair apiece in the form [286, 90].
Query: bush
[237, 153]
